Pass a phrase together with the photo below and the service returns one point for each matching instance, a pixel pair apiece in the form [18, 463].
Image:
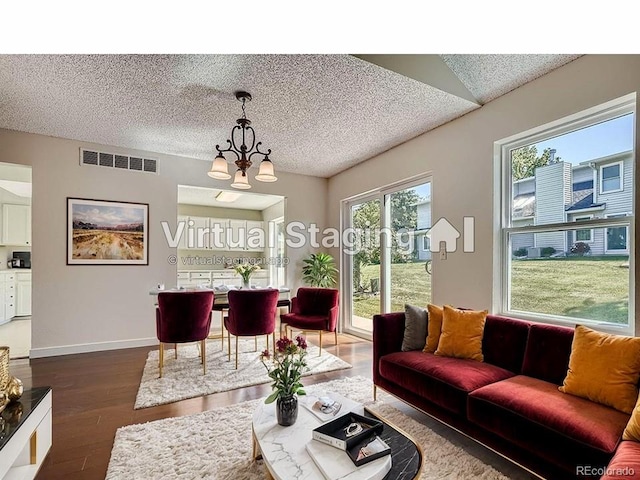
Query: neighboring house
[562, 192]
[424, 224]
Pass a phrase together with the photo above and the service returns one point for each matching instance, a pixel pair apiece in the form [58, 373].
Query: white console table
[25, 436]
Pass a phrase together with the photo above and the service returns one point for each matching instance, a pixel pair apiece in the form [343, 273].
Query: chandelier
[242, 132]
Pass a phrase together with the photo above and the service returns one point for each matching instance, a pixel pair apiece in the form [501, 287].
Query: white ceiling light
[229, 197]
[245, 133]
[22, 189]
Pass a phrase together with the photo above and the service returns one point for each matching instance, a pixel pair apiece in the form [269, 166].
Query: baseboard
[91, 347]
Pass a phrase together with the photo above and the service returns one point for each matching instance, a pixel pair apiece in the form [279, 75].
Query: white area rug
[217, 444]
[183, 378]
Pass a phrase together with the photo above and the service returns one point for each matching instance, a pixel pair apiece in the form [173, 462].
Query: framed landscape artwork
[103, 232]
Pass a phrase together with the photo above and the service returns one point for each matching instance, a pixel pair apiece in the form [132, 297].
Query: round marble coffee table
[283, 449]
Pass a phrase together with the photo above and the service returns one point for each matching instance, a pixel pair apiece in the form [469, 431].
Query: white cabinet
[219, 228]
[7, 296]
[16, 224]
[22, 455]
[236, 235]
[217, 278]
[23, 294]
[256, 236]
[202, 233]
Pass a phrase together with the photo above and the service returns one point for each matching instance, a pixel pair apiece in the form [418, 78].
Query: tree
[525, 160]
[366, 220]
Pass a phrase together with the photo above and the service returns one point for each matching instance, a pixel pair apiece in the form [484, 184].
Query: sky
[107, 216]
[599, 140]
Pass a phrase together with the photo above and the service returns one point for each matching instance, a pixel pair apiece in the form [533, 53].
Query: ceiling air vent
[122, 162]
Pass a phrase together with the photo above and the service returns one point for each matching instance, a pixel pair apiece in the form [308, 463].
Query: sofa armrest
[388, 332]
[625, 464]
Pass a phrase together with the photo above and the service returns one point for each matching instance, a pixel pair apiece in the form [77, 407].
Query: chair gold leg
[274, 343]
[375, 393]
[236, 352]
[267, 335]
[222, 330]
[320, 352]
[228, 346]
[255, 341]
[175, 350]
[160, 358]
[204, 357]
[335, 333]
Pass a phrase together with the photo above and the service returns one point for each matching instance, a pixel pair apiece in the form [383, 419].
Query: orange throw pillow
[433, 328]
[604, 368]
[462, 332]
[632, 430]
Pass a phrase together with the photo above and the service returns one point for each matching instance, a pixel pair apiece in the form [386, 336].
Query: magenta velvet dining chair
[313, 309]
[251, 313]
[183, 317]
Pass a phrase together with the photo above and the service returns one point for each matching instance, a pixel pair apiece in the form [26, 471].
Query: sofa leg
[375, 393]
[160, 358]
[175, 350]
[320, 351]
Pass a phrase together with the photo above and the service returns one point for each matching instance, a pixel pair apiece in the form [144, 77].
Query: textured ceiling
[320, 114]
[489, 76]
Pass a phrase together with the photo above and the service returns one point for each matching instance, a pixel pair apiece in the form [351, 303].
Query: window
[551, 269]
[425, 243]
[617, 237]
[611, 178]
[585, 235]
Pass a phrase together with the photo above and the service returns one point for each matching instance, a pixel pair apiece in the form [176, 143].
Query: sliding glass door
[386, 255]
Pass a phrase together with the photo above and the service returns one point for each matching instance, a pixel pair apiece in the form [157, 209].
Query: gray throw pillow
[415, 328]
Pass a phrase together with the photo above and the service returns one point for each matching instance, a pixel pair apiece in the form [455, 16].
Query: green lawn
[595, 288]
[410, 283]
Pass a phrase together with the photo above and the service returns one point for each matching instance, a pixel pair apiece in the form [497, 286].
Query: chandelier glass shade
[241, 135]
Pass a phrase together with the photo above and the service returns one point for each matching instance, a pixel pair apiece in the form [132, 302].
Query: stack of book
[355, 435]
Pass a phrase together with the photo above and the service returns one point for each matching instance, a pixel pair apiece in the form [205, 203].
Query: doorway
[15, 259]
[386, 255]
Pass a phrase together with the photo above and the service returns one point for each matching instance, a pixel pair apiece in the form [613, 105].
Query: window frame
[583, 218]
[503, 226]
[608, 251]
[426, 244]
[620, 165]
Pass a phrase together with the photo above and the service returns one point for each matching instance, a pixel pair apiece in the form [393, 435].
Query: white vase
[246, 284]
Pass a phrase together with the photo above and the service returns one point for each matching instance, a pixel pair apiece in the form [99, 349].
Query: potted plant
[285, 369]
[319, 270]
[245, 270]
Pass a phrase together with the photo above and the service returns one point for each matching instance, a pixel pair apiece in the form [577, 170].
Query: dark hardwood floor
[94, 394]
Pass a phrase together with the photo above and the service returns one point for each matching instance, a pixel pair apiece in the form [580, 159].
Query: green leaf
[272, 398]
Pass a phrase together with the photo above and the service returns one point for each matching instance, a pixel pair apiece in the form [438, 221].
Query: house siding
[424, 223]
[553, 192]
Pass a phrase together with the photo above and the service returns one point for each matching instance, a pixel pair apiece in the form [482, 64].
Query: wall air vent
[122, 162]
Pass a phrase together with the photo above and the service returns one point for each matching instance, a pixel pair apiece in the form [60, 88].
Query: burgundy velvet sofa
[510, 402]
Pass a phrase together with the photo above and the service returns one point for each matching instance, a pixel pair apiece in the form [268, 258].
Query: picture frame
[107, 232]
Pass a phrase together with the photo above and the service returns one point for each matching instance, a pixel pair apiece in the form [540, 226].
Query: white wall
[85, 308]
[460, 157]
